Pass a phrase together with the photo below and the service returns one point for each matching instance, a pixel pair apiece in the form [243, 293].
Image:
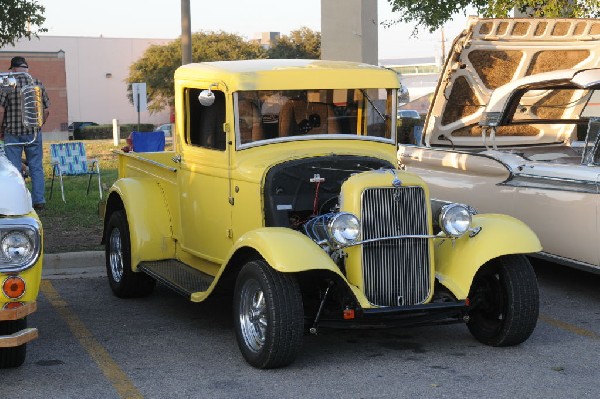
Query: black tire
[124, 282]
[504, 301]
[268, 315]
[15, 356]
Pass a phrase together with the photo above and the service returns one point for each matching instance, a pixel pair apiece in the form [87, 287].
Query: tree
[433, 14]
[301, 43]
[20, 18]
[158, 64]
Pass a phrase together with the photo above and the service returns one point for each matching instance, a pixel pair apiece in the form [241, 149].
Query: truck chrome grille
[396, 272]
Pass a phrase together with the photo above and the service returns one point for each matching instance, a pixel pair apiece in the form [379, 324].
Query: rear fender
[148, 217]
[457, 262]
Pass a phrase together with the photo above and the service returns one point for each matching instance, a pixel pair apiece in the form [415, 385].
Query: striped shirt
[11, 101]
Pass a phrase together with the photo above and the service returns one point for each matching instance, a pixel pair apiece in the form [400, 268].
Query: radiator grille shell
[396, 272]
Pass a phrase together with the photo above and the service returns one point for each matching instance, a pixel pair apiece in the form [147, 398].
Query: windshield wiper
[364, 92]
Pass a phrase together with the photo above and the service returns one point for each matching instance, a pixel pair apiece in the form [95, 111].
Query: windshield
[296, 114]
[557, 105]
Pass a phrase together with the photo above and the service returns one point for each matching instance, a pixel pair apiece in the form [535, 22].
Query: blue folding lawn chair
[69, 159]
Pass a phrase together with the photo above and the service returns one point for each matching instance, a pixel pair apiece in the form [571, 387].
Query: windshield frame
[390, 114]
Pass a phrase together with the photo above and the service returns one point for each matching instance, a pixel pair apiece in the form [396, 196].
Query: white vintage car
[514, 128]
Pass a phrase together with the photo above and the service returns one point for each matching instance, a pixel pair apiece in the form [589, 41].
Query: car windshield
[408, 113]
[556, 105]
[299, 114]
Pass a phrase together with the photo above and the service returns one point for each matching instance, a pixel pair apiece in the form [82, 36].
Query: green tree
[20, 18]
[158, 64]
[433, 14]
[301, 43]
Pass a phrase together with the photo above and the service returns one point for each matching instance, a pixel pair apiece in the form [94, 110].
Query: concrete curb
[74, 265]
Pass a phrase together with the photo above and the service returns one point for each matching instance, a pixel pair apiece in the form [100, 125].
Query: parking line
[569, 327]
[117, 377]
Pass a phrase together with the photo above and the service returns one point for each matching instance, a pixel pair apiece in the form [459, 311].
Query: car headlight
[20, 244]
[16, 246]
[455, 219]
[344, 228]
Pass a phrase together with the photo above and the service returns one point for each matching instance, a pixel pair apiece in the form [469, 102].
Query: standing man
[11, 126]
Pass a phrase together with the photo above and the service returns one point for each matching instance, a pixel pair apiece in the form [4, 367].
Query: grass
[75, 225]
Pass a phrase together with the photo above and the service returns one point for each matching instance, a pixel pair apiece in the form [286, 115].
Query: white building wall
[91, 95]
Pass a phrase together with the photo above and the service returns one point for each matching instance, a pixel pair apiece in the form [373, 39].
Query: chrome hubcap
[253, 315]
[116, 255]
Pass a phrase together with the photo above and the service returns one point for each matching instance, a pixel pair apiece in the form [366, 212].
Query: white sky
[162, 19]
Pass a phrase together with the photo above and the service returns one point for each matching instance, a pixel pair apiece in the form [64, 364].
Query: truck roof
[294, 74]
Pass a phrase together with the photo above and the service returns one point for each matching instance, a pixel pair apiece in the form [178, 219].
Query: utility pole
[443, 47]
[186, 33]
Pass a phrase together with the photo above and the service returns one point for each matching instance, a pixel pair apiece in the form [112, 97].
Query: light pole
[186, 33]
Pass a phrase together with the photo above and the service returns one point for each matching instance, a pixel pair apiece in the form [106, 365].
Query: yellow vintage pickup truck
[282, 191]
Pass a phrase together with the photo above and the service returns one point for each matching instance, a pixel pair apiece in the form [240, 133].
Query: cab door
[203, 179]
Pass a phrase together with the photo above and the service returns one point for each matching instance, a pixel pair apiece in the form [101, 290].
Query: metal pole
[186, 33]
[138, 109]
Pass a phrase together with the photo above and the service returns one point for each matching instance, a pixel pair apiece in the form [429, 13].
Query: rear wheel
[268, 315]
[124, 282]
[504, 300]
[15, 356]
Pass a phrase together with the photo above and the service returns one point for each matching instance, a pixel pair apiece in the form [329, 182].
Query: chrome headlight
[455, 219]
[343, 228]
[20, 244]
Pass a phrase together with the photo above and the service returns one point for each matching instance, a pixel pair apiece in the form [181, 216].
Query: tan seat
[250, 122]
[314, 117]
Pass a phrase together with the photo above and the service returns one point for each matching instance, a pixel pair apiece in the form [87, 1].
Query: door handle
[177, 158]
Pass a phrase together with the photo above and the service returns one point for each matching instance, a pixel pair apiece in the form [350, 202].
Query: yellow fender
[286, 250]
[148, 217]
[456, 263]
[289, 251]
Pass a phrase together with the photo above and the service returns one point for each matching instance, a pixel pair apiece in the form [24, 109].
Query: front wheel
[268, 315]
[504, 300]
[15, 356]
[124, 282]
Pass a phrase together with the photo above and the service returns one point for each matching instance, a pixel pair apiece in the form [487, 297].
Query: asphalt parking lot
[94, 345]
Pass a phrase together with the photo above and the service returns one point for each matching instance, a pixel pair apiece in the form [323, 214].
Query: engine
[304, 194]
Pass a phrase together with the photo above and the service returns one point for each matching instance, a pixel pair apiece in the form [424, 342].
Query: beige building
[95, 69]
[349, 30]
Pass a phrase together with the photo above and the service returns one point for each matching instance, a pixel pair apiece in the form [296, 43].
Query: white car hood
[15, 199]
[490, 53]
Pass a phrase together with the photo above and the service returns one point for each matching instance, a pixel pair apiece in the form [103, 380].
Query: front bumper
[403, 316]
[23, 336]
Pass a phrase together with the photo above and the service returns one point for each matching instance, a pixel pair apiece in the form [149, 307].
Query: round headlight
[455, 219]
[17, 247]
[344, 228]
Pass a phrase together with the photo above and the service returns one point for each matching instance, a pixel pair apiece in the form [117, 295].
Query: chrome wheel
[253, 315]
[116, 255]
[268, 315]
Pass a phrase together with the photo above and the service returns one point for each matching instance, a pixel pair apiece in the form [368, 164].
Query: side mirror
[206, 98]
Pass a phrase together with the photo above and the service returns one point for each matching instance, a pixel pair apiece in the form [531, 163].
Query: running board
[178, 276]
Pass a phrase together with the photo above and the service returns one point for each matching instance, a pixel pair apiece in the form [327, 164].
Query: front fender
[289, 251]
[456, 263]
[148, 217]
